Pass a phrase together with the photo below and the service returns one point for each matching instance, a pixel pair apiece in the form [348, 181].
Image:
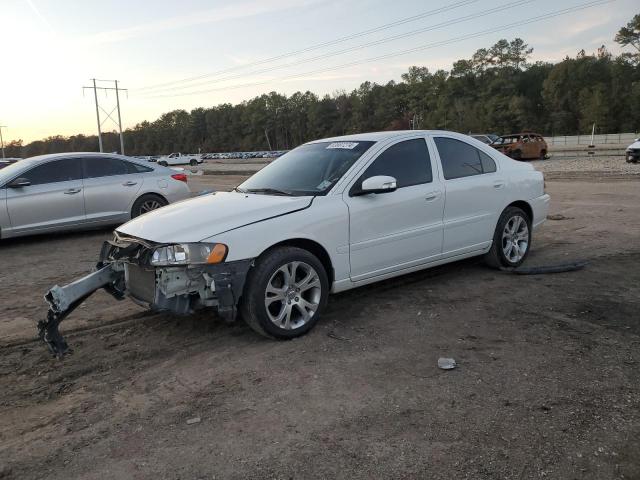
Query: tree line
[497, 90]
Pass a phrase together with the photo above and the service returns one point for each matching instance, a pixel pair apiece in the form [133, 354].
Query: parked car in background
[487, 138]
[68, 191]
[8, 161]
[328, 216]
[633, 152]
[521, 146]
[180, 159]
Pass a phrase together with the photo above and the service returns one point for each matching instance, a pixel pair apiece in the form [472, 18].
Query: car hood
[202, 217]
[634, 145]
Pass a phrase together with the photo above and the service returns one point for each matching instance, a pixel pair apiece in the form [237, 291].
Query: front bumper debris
[124, 271]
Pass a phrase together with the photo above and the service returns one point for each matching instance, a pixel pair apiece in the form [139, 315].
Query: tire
[543, 154]
[193, 162]
[163, 163]
[272, 309]
[516, 155]
[504, 237]
[147, 203]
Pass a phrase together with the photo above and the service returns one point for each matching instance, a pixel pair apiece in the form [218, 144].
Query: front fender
[326, 222]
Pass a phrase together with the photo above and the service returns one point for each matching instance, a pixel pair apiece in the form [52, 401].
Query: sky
[50, 49]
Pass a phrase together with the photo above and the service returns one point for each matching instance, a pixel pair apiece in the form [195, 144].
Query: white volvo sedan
[328, 216]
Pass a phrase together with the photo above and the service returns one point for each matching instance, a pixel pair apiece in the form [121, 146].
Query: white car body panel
[370, 237]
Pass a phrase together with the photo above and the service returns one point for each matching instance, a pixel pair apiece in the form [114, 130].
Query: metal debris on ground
[446, 363]
[191, 421]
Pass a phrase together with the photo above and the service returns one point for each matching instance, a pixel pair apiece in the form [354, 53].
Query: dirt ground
[547, 384]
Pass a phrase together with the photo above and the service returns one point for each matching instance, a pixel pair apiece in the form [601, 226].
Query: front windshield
[310, 169]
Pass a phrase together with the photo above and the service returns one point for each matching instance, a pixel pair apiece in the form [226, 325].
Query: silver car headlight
[189, 254]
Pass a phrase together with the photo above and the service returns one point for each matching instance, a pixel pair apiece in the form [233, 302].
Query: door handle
[72, 191]
[498, 185]
[431, 196]
[129, 184]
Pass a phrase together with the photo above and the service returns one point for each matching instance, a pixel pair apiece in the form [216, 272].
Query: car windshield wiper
[272, 191]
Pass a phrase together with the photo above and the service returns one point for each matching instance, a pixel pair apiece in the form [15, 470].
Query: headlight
[189, 254]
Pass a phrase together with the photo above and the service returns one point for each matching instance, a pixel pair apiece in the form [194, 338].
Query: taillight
[179, 176]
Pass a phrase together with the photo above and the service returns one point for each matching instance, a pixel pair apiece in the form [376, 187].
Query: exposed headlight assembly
[189, 254]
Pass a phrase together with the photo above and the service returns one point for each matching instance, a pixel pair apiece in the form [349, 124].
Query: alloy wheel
[292, 295]
[149, 205]
[515, 239]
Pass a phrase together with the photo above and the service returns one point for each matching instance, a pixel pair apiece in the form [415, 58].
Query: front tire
[285, 293]
[193, 162]
[511, 239]
[517, 155]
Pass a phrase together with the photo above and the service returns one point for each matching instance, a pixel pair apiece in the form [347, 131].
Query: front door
[54, 198]
[396, 230]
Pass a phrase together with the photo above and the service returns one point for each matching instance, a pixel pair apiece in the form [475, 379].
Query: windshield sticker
[343, 145]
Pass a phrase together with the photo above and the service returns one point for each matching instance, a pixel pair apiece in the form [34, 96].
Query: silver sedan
[69, 191]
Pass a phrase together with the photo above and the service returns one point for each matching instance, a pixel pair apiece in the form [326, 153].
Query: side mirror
[19, 183]
[377, 184]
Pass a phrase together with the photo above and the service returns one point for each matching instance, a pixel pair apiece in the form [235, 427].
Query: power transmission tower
[1, 140]
[108, 114]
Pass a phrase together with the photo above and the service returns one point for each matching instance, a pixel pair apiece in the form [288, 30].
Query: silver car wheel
[293, 295]
[515, 239]
[149, 205]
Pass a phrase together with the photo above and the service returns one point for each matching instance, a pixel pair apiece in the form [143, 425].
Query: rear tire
[285, 293]
[193, 162]
[511, 240]
[543, 154]
[163, 163]
[147, 203]
[517, 155]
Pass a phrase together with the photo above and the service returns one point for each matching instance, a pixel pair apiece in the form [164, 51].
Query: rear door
[475, 192]
[110, 186]
[53, 200]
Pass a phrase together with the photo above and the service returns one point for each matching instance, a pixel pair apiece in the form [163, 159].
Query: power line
[500, 28]
[356, 47]
[108, 114]
[329, 43]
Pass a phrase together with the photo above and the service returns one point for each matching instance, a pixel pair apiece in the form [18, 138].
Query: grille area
[141, 283]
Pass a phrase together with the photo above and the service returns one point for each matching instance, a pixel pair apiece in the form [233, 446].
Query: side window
[103, 167]
[56, 171]
[408, 162]
[135, 168]
[488, 165]
[459, 159]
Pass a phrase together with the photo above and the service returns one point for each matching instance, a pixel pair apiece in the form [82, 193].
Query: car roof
[52, 156]
[381, 136]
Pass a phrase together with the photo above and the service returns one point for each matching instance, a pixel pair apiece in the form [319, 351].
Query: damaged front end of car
[179, 278]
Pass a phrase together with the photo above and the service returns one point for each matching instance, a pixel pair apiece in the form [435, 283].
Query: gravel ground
[594, 165]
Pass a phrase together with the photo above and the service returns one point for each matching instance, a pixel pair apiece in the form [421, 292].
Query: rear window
[135, 168]
[459, 159]
[95, 167]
